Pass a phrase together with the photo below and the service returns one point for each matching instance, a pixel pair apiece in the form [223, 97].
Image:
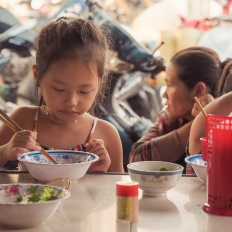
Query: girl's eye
[59, 90]
[85, 92]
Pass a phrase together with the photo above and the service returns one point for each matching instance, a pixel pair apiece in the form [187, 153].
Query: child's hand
[204, 100]
[97, 147]
[22, 141]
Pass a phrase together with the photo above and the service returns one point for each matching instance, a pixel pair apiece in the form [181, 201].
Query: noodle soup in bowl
[71, 164]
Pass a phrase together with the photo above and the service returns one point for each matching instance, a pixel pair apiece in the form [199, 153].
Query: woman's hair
[198, 64]
[72, 38]
[224, 84]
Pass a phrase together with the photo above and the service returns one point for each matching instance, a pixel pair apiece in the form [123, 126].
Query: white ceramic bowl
[198, 165]
[151, 180]
[30, 214]
[71, 164]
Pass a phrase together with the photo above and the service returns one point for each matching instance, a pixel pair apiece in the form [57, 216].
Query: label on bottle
[127, 201]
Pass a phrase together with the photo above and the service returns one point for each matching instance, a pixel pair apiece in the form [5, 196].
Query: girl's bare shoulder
[24, 116]
[106, 129]
[104, 125]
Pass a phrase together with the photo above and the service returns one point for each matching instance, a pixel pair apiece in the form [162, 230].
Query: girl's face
[69, 89]
[180, 99]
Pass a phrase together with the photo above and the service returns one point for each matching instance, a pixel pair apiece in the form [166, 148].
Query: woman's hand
[204, 100]
[22, 141]
[97, 147]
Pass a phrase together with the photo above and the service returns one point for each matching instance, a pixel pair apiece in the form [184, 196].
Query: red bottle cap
[127, 189]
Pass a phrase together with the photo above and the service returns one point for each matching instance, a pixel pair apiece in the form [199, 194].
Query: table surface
[92, 207]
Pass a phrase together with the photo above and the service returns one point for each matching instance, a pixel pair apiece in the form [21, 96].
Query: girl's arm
[13, 144]
[113, 145]
[106, 143]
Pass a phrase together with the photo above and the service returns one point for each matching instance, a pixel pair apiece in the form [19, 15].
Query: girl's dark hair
[72, 38]
[198, 64]
[224, 84]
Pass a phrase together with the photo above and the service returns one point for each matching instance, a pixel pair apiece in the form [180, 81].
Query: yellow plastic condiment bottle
[127, 201]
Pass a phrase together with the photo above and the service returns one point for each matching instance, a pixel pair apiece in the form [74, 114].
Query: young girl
[70, 77]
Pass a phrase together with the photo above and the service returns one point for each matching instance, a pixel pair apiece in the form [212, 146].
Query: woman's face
[180, 99]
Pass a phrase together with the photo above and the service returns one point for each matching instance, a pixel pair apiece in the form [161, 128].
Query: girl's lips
[70, 113]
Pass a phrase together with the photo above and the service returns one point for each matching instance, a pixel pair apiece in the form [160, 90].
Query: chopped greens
[34, 195]
[164, 168]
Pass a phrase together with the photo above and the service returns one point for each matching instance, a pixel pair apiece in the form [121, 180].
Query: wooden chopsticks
[15, 127]
[201, 107]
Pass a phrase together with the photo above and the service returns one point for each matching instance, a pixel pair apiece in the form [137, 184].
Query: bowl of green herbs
[29, 205]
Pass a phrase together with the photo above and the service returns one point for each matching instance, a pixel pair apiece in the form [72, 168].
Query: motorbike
[43, 19]
[16, 41]
[131, 104]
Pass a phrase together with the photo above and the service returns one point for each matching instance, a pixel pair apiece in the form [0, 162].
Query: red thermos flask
[219, 165]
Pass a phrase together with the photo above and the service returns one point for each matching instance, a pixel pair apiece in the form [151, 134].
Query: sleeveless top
[80, 147]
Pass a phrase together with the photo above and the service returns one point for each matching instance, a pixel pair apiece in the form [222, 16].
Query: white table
[92, 208]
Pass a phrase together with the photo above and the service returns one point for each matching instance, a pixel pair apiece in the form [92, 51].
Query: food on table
[33, 195]
[164, 168]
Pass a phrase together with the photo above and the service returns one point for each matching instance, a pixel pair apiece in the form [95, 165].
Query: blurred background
[179, 23]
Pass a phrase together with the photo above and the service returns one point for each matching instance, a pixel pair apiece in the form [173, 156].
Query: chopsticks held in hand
[15, 127]
[199, 104]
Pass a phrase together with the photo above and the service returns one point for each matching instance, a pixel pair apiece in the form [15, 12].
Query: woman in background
[192, 72]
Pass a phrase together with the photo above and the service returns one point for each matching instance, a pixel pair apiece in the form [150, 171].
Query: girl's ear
[200, 89]
[35, 74]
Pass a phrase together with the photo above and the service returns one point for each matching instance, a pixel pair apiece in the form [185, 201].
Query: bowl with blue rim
[199, 166]
[155, 178]
[71, 164]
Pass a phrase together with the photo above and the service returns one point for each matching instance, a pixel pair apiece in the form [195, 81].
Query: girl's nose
[71, 99]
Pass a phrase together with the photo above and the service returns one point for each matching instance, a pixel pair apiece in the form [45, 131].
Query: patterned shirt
[160, 142]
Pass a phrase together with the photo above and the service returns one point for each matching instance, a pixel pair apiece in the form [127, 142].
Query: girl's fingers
[26, 139]
[27, 133]
[94, 144]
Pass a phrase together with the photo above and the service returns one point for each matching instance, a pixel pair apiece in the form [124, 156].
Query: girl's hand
[22, 141]
[204, 100]
[97, 147]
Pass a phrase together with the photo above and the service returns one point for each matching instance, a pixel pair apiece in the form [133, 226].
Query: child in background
[220, 106]
[70, 77]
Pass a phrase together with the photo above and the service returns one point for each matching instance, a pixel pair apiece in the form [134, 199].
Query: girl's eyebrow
[58, 82]
[82, 85]
[87, 84]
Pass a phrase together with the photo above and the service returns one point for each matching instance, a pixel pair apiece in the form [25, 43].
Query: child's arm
[13, 144]
[107, 144]
[220, 106]
[113, 145]
[97, 147]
